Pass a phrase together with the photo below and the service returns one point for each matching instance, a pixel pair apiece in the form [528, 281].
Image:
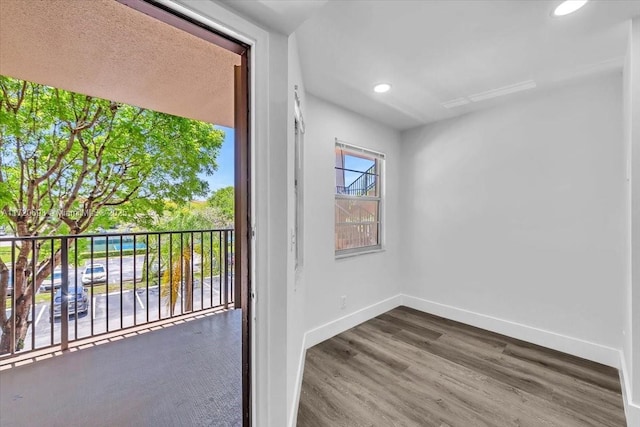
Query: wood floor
[408, 368]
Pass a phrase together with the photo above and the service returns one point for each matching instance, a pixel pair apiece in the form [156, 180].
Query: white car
[54, 281]
[94, 273]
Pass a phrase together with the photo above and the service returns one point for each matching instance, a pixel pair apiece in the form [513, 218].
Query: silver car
[78, 301]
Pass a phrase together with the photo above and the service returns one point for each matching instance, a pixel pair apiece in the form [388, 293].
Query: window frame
[380, 160]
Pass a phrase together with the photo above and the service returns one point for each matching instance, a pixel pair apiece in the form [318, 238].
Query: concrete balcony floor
[187, 374]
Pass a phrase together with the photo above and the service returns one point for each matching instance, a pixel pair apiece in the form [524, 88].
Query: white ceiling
[437, 51]
[283, 16]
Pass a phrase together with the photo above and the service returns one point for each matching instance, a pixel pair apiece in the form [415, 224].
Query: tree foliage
[70, 161]
[223, 200]
[186, 250]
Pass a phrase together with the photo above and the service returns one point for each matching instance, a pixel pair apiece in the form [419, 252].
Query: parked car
[53, 281]
[10, 282]
[76, 294]
[94, 273]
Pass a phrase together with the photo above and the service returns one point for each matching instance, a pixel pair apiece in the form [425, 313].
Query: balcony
[138, 330]
[102, 283]
[185, 374]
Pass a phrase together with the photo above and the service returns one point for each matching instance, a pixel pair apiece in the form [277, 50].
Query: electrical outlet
[343, 302]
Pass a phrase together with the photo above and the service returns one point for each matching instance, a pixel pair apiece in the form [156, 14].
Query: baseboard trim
[566, 344]
[298, 385]
[631, 409]
[632, 413]
[333, 328]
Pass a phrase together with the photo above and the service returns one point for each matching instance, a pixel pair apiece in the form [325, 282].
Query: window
[358, 208]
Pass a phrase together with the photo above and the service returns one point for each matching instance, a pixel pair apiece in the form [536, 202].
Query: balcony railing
[108, 282]
[362, 185]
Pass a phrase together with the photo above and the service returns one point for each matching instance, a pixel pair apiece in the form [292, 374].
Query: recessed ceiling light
[382, 88]
[568, 6]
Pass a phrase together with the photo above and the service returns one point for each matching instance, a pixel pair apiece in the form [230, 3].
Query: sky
[355, 163]
[224, 176]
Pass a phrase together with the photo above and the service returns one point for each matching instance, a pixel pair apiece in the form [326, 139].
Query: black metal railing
[61, 289]
[362, 185]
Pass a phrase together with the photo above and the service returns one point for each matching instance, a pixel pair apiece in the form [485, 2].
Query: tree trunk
[7, 344]
[20, 314]
[17, 323]
[188, 283]
[23, 290]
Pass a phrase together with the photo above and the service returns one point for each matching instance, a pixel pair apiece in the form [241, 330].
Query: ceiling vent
[493, 93]
[458, 102]
[501, 91]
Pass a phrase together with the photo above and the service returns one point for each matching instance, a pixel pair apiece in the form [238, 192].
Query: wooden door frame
[243, 230]
[243, 233]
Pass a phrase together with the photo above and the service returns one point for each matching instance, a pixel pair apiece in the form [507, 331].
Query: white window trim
[380, 247]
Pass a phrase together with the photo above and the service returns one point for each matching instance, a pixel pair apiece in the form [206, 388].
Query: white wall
[295, 280]
[627, 344]
[365, 279]
[517, 213]
[632, 139]
[277, 223]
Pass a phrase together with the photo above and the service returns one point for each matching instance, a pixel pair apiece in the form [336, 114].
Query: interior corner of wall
[632, 412]
[298, 384]
[631, 406]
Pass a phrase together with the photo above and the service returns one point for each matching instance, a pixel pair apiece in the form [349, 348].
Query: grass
[83, 257]
[86, 256]
[5, 252]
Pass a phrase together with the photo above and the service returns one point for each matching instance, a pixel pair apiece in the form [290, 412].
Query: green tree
[223, 199]
[180, 253]
[69, 161]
